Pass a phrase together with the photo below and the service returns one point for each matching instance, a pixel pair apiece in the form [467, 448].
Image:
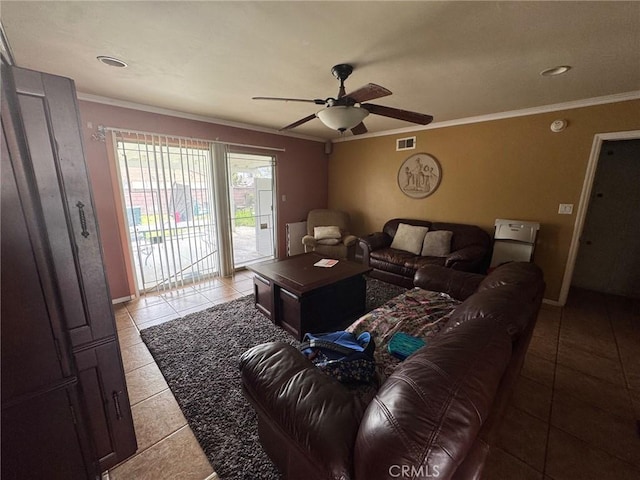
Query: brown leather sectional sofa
[436, 416]
[470, 251]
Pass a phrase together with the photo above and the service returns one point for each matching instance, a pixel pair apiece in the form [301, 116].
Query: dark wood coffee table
[301, 298]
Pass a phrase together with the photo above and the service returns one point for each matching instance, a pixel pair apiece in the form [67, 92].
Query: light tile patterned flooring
[167, 448]
[573, 414]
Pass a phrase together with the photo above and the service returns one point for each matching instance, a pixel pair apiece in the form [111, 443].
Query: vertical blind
[168, 192]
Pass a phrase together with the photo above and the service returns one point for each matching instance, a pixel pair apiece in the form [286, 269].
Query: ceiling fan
[347, 111]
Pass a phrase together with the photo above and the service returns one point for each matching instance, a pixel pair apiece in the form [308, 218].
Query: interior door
[609, 256]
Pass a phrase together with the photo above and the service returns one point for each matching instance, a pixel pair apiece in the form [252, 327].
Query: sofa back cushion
[464, 235]
[521, 274]
[409, 238]
[391, 227]
[510, 294]
[503, 304]
[437, 243]
[457, 284]
[426, 416]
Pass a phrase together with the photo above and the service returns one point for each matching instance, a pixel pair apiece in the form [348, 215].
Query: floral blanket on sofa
[417, 312]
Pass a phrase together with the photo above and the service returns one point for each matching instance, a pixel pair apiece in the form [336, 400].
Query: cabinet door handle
[83, 219]
[116, 403]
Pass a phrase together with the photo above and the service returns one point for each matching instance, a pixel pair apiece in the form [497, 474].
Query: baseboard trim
[122, 299]
[555, 303]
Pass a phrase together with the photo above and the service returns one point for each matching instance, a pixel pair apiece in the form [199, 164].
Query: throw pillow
[328, 241]
[437, 243]
[321, 233]
[409, 238]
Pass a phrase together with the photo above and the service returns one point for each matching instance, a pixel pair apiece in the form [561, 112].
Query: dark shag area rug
[199, 356]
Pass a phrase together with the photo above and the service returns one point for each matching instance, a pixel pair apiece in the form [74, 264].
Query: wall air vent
[408, 143]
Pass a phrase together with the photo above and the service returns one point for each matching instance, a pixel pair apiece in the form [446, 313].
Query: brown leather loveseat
[470, 251]
[435, 416]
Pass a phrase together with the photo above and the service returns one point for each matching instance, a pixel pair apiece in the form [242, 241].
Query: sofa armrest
[313, 410]
[468, 258]
[375, 241]
[309, 241]
[349, 240]
[370, 243]
[459, 285]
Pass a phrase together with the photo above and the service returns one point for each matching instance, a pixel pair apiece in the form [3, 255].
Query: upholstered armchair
[328, 234]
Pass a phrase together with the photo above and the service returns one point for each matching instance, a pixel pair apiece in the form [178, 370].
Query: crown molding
[588, 102]
[188, 116]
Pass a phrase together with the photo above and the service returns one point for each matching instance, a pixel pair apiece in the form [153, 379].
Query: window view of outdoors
[168, 199]
[168, 187]
[251, 205]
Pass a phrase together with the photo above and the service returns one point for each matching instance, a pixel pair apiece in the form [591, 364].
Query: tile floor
[167, 448]
[573, 413]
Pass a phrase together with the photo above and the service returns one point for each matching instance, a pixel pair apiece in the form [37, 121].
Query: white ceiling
[452, 60]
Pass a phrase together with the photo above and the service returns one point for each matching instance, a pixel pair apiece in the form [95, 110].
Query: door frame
[583, 205]
[257, 151]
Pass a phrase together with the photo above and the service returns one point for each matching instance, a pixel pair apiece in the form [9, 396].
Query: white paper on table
[326, 263]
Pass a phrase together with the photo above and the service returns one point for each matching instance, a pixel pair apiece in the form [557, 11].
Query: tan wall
[301, 175]
[514, 168]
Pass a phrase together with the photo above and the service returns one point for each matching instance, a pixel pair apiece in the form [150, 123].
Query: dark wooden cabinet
[65, 408]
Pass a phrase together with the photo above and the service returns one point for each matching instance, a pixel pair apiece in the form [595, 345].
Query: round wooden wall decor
[419, 175]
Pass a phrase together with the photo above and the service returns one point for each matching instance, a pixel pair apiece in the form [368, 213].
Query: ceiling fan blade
[370, 91]
[317, 101]
[359, 129]
[405, 115]
[299, 122]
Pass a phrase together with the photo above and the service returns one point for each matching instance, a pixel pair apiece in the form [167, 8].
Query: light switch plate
[565, 209]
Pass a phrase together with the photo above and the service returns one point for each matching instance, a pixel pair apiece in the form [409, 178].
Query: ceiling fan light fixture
[342, 118]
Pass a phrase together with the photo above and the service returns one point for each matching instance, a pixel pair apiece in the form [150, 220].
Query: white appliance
[514, 241]
[295, 232]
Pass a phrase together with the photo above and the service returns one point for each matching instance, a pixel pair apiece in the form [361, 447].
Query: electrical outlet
[565, 209]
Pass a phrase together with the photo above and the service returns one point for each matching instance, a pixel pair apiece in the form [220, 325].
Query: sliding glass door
[251, 194]
[167, 192]
[193, 208]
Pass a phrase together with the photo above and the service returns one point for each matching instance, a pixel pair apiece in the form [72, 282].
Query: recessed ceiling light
[553, 71]
[112, 62]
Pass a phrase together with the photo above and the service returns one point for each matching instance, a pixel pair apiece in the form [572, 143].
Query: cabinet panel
[48, 186]
[48, 106]
[102, 383]
[289, 309]
[65, 124]
[30, 342]
[33, 433]
[263, 293]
